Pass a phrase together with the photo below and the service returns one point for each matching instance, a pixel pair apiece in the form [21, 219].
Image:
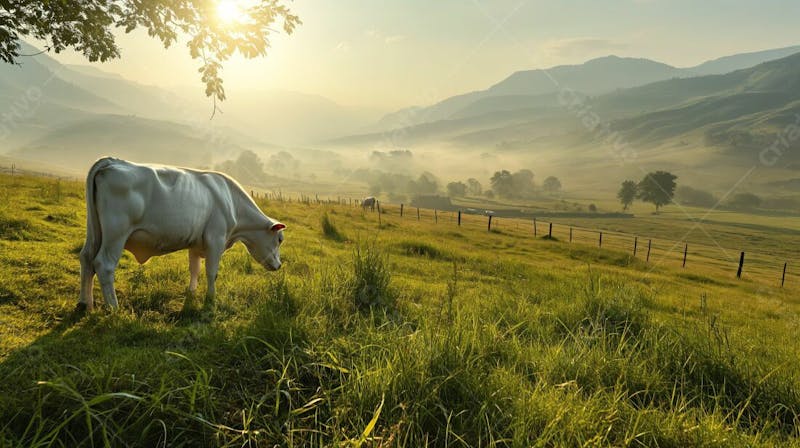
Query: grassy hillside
[132, 137]
[408, 334]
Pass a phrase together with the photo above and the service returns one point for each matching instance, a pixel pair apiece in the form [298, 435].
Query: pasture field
[715, 238]
[407, 333]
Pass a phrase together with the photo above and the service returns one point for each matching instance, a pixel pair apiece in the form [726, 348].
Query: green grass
[414, 334]
[330, 230]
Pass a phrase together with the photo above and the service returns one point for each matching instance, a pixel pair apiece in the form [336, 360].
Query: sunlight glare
[230, 11]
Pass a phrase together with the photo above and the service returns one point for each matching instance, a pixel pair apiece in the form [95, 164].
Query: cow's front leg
[105, 264]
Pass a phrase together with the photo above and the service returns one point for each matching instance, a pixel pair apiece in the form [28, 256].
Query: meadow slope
[404, 334]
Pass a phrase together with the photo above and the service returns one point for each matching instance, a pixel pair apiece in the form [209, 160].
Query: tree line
[505, 184]
[657, 188]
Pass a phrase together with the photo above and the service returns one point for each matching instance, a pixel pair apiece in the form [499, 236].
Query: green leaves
[86, 26]
[658, 188]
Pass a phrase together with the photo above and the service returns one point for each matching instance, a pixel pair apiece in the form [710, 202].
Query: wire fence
[718, 264]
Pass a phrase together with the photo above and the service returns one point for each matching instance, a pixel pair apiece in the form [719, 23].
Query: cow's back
[158, 209]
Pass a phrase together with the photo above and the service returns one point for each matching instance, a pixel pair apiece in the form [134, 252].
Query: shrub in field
[370, 282]
[329, 229]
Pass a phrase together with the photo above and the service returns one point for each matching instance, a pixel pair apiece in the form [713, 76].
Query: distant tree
[489, 194]
[657, 188]
[745, 201]
[247, 168]
[456, 189]
[250, 160]
[523, 183]
[503, 183]
[592, 208]
[627, 193]
[691, 196]
[88, 27]
[474, 188]
[282, 162]
[551, 184]
[426, 183]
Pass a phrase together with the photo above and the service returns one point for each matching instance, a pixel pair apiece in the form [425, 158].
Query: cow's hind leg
[86, 299]
[105, 264]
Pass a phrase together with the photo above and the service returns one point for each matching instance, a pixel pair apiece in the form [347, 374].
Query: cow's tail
[93, 230]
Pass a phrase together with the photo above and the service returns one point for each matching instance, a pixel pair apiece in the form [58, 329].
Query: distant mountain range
[652, 106]
[531, 88]
[72, 114]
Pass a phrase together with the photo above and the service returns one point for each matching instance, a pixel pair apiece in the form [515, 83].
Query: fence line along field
[404, 332]
[712, 259]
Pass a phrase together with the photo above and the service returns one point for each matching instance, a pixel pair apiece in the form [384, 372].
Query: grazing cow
[369, 203]
[154, 210]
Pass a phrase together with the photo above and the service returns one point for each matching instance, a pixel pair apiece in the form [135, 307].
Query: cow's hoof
[81, 308]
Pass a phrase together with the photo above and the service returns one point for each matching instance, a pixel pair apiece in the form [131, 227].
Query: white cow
[154, 210]
[368, 203]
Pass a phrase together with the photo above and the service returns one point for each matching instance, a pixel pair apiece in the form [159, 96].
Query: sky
[390, 54]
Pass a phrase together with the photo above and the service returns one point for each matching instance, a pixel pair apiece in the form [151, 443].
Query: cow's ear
[277, 226]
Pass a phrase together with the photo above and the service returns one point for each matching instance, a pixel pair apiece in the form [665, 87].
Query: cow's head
[265, 245]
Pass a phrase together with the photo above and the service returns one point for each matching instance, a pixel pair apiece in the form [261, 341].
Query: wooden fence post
[649, 245]
[635, 244]
[534, 228]
[783, 277]
[550, 232]
[435, 216]
[459, 218]
[601, 240]
[685, 251]
[417, 213]
[489, 229]
[570, 234]
[741, 265]
[401, 210]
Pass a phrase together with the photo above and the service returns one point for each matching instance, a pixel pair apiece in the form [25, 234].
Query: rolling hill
[525, 89]
[738, 113]
[536, 87]
[125, 136]
[743, 111]
[65, 113]
[735, 62]
[68, 115]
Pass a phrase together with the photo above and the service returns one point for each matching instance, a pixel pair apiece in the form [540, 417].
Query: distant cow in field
[369, 203]
[154, 210]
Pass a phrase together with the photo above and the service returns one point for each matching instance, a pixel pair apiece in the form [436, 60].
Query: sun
[230, 11]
